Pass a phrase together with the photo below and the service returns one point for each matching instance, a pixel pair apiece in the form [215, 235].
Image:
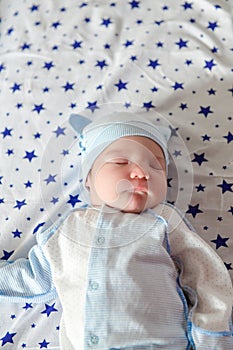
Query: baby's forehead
[133, 144]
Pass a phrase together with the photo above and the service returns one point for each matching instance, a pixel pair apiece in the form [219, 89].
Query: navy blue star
[92, 106]
[59, 131]
[72, 105]
[177, 153]
[101, 64]
[214, 49]
[154, 64]
[121, 85]
[188, 62]
[127, 105]
[6, 255]
[173, 131]
[73, 200]
[106, 22]
[48, 65]
[229, 137]
[199, 158]
[209, 64]
[8, 338]
[50, 178]
[19, 105]
[77, 44]
[54, 200]
[55, 25]
[183, 106]
[30, 155]
[159, 44]
[182, 43]
[27, 306]
[68, 86]
[84, 4]
[25, 46]
[45, 89]
[16, 233]
[200, 188]
[20, 204]
[2, 67]
[231, 90]
[10, 152]
[225, 186]
[205, 111]
[28, 184]
[134, 4]
[10, 31]
[16, 87]
[158, 23]
[128, 43]
[37, 135]
[6, 132]
[49, 309]
[220, 242]
[44, 344]
[148, 105]
[34, 8]
[212, 25]
[228, 266]
[230, 210]
[154, 89]
[194, 210]
[187, 5]
[206, 137]
[38, 108]
[211, 91]
[177, 86]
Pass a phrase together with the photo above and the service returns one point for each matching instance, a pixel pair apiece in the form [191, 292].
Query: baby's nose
[138, 173]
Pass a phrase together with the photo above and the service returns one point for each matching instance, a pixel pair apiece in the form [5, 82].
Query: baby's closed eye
[119, 161]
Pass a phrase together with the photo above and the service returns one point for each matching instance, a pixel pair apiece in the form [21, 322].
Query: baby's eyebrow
[115, 153]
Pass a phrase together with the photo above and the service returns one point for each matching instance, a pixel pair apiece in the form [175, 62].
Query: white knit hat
[95, 136]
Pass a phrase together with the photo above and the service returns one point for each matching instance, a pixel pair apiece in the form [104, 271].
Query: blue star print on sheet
[82, 57]
[8, 338]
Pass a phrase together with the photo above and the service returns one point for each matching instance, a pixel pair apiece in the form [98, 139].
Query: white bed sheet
[90, 57]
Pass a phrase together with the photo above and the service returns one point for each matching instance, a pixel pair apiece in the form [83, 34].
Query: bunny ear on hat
[79, 122]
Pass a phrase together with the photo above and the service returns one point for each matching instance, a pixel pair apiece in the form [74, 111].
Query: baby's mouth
[130, 187]
[138, 190]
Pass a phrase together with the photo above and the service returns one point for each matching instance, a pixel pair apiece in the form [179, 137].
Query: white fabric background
[62, 57]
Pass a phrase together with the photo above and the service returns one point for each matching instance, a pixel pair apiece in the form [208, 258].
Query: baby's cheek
[105, 189]
[159, 186]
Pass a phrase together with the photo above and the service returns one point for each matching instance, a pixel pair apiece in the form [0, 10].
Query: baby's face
[129, 175]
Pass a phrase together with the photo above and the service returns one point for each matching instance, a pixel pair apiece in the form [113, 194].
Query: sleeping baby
[130, 272]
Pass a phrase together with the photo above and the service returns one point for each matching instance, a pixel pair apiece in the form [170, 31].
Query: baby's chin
[137, 203]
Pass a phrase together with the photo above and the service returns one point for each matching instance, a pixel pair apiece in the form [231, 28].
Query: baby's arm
[205, 276]
[26, 279]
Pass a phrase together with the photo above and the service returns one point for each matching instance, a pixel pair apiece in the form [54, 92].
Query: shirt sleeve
[206, 280]
[28, 279]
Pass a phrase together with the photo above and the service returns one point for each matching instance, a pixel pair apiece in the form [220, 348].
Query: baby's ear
[78, 122]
